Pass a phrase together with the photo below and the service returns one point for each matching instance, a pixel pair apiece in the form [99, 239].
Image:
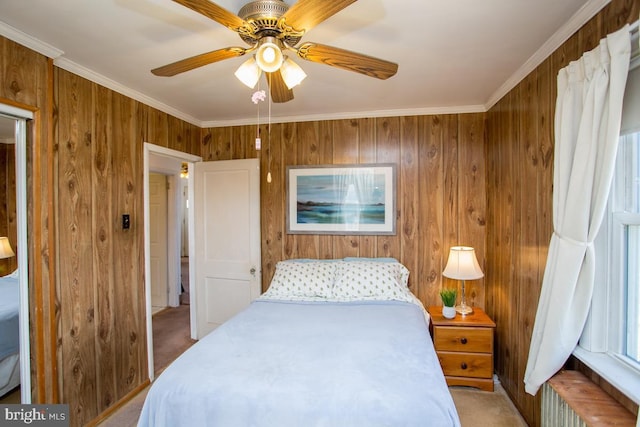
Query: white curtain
[587, 126]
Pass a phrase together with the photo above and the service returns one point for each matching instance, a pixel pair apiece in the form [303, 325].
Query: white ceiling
[453, 56]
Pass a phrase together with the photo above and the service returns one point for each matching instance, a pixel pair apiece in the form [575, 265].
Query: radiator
[569, 399]
[556, 412]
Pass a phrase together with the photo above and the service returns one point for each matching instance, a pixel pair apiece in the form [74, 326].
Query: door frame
[151, 151]
[21, 116]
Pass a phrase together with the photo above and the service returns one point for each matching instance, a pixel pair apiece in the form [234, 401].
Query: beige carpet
[478, 408]
[171, 335]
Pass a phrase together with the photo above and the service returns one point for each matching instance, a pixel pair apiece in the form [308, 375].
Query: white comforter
[308, 364]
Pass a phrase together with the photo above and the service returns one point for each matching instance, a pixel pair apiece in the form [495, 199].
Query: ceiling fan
[270, 27]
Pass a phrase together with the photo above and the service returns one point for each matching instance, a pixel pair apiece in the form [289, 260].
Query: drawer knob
[463, 340]
[463, 365]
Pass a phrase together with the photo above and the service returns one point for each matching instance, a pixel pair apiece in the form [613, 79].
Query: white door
[227, 244]
[158, 240]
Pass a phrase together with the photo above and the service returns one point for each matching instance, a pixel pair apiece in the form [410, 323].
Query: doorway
[163, 173]
[15, 368]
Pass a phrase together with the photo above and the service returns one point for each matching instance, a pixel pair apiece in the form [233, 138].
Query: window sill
[614, 371]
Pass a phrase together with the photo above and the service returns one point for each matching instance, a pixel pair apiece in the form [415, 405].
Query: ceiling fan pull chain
[269, 135]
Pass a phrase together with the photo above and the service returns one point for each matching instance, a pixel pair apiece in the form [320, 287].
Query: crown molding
[581, 17]
[353, 115]
[32, 43]
[124, 90]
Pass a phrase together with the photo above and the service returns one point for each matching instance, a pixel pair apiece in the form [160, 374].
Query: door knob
[253, 271]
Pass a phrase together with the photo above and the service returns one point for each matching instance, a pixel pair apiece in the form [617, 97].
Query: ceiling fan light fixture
[249, 72]
[292, 73]
[269, 55]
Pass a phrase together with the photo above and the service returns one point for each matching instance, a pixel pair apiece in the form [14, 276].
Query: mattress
[308, 363]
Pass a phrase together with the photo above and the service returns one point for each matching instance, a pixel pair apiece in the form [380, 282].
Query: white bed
[9, 333]
[330, 344]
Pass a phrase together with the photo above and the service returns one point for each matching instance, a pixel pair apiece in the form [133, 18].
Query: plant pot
[448, 312]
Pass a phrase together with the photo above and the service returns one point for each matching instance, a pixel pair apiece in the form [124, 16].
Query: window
[625, 237]
[610, 343]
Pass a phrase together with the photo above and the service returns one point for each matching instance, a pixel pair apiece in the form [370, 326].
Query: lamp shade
[249, 73]
[5, 248]
[269, 55]
[292, 73]
[462, 264]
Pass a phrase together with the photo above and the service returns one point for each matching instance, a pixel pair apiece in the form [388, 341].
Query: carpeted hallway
[171, 335]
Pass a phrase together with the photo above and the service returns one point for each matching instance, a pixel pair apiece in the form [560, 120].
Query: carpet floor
[171, 335]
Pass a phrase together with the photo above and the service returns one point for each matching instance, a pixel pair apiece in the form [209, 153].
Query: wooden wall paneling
[272, 202]
[221, 144]
[472, 195]
[194, 136]
[346, 139]
[103, 280]
[176, 130]
[27, 82]
[388, 151]
[157, 127]
[492, 184]
[42, 173]
[306, 140]
[618, 14]
[408, 200]
[430, 202]
[527, 260]
[511, 155]
[450, 224]
[75, 247]
[127, 269]
[500, 248]
[286, 136]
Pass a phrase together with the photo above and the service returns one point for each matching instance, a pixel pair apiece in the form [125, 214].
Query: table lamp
[5, 248]
[462, 265]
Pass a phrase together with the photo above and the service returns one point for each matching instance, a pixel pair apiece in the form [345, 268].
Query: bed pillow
[378, 259]
[302, 280]
[368, 280]
[404, 277]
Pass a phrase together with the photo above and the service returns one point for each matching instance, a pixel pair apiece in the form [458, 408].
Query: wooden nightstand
[464, 346]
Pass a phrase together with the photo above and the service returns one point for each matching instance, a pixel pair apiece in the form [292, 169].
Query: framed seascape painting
[341, 199]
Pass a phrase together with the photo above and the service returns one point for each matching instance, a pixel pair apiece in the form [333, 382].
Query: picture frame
[341, 199]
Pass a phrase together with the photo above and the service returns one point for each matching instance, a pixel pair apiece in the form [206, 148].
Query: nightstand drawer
[474, 365]
[451, 338]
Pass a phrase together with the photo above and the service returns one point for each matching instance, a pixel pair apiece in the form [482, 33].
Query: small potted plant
[448, 297]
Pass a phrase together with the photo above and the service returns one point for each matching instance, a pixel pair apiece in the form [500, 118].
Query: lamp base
[464, 309]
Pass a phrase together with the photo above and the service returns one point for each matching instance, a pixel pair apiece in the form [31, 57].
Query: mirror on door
[9, 279]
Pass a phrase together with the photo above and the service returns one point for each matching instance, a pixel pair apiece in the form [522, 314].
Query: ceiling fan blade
[280, 93]
[198, 61]
[306, 14]
[215, 12]
[347, 60]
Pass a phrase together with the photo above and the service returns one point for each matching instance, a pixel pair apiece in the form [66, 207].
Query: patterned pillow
[364, 280]
[302, 280]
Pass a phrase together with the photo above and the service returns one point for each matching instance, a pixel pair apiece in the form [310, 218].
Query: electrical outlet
[126, 222]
